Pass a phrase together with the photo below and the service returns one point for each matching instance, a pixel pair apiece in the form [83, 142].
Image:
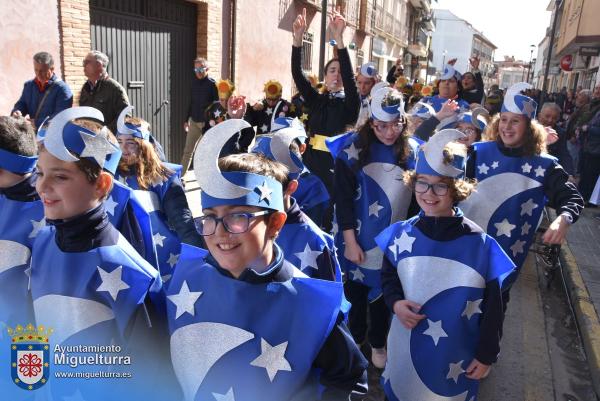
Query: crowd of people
[364, 218]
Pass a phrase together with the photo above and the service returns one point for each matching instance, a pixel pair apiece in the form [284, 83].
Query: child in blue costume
[245, 324]
[516, 178]
[442, 276]
[303, 243]
[87, 282]
[157, 187]
[369, 196]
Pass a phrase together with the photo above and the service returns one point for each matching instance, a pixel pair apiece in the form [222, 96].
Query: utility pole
[323, 38]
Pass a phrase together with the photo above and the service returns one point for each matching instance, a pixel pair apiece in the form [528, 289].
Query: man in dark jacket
[396, 71]
[204, 93]
[590, 143]
[548, 117]
[101, 91]
[45, 95]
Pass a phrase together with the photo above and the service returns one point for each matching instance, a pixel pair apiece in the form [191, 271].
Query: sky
[511, 25]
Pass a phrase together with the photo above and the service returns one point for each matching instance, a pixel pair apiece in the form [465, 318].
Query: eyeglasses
[200, 70]
[383, 127]
[234, 223]
[439, 188]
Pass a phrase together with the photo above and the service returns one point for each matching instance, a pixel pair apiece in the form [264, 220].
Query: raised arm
[304, 87]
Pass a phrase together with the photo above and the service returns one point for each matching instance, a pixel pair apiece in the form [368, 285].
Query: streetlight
[530, 58]
[444, 60]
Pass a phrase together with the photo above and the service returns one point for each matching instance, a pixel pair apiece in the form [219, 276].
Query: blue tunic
[510, 197]
[429, 361]
[312, 196]
[248, 341]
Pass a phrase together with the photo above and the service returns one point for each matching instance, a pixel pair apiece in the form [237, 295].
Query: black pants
[372, 317]
[590, 168]
[320, 163]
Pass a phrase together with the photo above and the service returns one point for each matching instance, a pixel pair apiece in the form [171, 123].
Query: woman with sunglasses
[369, 196]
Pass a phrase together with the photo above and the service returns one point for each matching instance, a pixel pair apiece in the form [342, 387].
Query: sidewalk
[581, 262]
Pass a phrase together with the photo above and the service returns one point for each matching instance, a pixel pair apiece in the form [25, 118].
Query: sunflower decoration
[401, 82]
[225, 88]
[313, 79]
[407, 90]
[272, 89]
[427, 90]
[417, 87]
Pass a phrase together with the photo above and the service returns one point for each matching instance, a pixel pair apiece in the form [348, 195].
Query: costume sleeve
[559, 149]
[390, 75]
[64, 98]
[245, 139]
[471, 160]
[490, 325]
[309, 93]
[352, 100]
[426, 129]
[391, 285]
[21, 104]
[480, 86]
[179, 214]
[343, 366]
[344, 192]
[562, 194]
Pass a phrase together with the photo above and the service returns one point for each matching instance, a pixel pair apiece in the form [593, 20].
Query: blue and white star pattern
[509, 199]
[428, 362]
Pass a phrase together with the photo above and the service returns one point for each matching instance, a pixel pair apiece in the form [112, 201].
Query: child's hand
[354, 253]
[452, 61]
[551, 135]
[476, 370]
[337, 24]
[405, 311]
[556, 233]
[236, 106]
[258, 106]
[449, 109]
[298, 28]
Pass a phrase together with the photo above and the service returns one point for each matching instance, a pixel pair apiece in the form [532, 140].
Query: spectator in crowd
[101, 91]
[472, 83]
[589, 132]
[396, 71]
[204, 93]
[548, 117]
[582, 104]
[45, 95]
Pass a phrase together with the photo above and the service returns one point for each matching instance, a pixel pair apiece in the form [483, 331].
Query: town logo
[30, 361]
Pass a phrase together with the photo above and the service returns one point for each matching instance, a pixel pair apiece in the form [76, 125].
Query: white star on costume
[358, 226]
[352, 152]
[166, 278]
[265, 192]
[435, 331]
[495, 165]
[37, 226]
[272, 358]
[358, 192]
[504, 228]
[525, 228]
[111, 282]
[483, 168]
[539, 172]
[27, 272]
[172, 261]
[96, 147]
[185, 300]
[357, 275]
[123, 180]
[308, 257]
[158, 239]
[526, 168]
[264, 128]
[527, 207]
[229, 396]
[517, 247]
[216, 113]
[471, 308]
[404, 243]
[528, 107]
[374, 208]
[455, 370]
[269, 111]
[109, 205]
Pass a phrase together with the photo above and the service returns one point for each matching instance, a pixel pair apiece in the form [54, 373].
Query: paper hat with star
[476, 117]
[368, 70]
[70, 142]
[124, 128]
[225, 87]
[431, 156]
[235, 188]
[277, 146]
[272, 89]
[517, 103]
[449, 72]
[386, 104]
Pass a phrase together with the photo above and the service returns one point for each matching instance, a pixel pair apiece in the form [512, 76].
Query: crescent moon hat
[517, 103]
[124, 128]
[368, 70]
[475, 117]
[70, 142]
[432, 154]
[235, 188]
[385, 106]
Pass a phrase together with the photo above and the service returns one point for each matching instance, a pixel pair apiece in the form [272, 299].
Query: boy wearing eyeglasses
[447, 302]
[245, 324]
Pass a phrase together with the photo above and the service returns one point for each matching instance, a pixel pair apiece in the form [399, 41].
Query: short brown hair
[257, 164]
[460, 188]
[535, 137]
[17, 136]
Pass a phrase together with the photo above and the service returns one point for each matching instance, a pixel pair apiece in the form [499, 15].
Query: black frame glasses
[233, 223]
[439, 188]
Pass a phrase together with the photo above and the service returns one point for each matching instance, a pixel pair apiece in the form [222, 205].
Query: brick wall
[74, 29]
